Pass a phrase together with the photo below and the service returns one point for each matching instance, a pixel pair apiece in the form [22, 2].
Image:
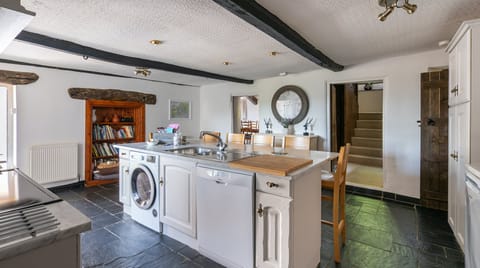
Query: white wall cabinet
[124, 180]
[459, 119]
[177, 194]
[464, 84]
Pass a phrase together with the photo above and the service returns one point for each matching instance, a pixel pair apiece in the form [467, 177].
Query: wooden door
[272, 231]
[177, 195]
[336, 117]
[434, 140]
[350, 112]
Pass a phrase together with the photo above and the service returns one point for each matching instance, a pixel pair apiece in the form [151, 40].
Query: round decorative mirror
[290, 105]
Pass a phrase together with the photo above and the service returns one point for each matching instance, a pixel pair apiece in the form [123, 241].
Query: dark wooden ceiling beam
[255, 14]
[102, 55]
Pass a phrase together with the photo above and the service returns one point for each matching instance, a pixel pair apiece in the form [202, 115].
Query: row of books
[126, 132]
[103, 149]
[106, 132]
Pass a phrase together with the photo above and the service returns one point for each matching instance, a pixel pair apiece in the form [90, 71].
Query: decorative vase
[115, 118]
[291, 130]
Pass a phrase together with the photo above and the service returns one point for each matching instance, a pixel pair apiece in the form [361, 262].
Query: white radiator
[53, 163]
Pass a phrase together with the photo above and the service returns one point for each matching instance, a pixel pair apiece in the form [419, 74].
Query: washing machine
[144, 181]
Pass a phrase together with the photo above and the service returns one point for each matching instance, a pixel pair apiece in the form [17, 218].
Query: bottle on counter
[177, 139]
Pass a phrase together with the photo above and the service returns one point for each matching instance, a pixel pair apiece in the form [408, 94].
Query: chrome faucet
[220, 145]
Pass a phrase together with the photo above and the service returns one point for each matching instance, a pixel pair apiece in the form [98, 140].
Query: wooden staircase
[367, 141]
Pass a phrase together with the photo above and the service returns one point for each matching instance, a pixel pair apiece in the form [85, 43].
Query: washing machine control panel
[150, 158]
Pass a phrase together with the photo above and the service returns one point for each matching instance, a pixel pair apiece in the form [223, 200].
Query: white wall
[46, 114]
[401, 77]
[3, 123]
[370, 101]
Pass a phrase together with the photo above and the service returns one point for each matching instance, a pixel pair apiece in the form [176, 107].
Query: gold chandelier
[390, 5]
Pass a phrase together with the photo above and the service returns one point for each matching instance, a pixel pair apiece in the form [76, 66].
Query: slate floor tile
[103, 220]
[189, 252]
[379, 234]
[86, 207]
[206, 262]
[132, 231]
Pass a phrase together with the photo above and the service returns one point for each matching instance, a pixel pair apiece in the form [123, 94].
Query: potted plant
[288, 126]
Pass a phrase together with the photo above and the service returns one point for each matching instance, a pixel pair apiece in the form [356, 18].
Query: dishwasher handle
[472, 189]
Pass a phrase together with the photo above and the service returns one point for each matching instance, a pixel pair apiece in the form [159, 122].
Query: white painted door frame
[11, 125]
[327, 144]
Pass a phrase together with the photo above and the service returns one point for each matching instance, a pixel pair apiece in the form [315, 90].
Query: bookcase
[108, 123]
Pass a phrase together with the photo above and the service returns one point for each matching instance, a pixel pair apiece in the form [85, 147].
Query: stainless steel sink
[209, 153]
[193, 151]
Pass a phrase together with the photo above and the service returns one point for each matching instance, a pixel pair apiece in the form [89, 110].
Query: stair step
[375, 124]
[367, 142]
[368, 133]
[366, 151]
[370, 116]
[365, 160]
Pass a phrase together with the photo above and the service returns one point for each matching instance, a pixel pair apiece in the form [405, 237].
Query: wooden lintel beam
[111, 94]
[258, 16]
[17, 78]
[253, 99]
[102, 55]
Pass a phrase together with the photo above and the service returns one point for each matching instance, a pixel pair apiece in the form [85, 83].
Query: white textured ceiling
[348, 30]
[202, 35]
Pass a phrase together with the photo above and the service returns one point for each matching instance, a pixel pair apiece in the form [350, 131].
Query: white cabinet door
[272, 230]
[463, 68]
[452, 76]
[124, 182]
[177, 195]
[452, 166]
[462, 118]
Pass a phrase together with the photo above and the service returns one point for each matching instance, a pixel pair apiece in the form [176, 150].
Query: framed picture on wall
[179, 109]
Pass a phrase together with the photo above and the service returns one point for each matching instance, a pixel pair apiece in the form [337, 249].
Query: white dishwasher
[472, 237]
[225, 205]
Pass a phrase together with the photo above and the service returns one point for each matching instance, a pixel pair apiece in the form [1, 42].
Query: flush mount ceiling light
[390, 5]
[142, 71]
[273, 53]
[155, 42]
[226, 63]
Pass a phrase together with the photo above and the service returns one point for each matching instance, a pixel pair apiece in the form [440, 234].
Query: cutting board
[271, 164]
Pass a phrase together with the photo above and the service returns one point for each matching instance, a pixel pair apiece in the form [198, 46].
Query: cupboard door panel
[462, 117]
[272, 230]
[452, 167]
[463, 68]
[452, 76]
[177, 198]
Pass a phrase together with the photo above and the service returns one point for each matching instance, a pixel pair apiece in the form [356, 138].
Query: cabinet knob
[127, 171]
[272, 184]
[260, 210]
[161, 181]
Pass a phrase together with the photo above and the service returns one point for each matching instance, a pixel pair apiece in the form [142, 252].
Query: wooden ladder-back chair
[265, 140]
[337, 183]
[236, 138]
[296, 142]
[208, 138]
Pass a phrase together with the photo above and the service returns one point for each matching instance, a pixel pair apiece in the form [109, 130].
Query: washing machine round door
[143, 187]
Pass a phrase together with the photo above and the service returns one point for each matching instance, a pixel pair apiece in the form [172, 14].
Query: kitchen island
[285, 210]
[37, 228]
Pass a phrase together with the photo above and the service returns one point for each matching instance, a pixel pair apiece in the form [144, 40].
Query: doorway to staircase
[356, 117]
